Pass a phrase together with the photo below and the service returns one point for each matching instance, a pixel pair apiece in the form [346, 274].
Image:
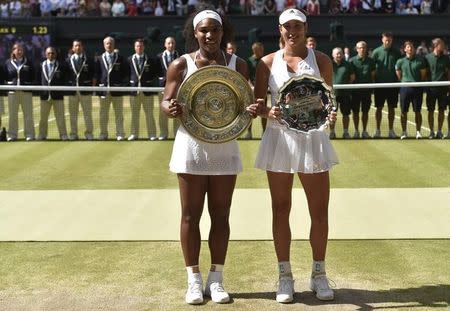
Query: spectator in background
[2, 97]
[252, 62]
[364, 68]
[132, 9]
[422, 49]
[411, 68]
[26, 8]
[105, 8]
[166, 58]
[270, 8]
[426, 7]
[15, 8]
[289, 4]
[367, 6]
[159, 11]
[256, 7]
[347, 55]
[410, 9]
[301, 4]
[72, 8]
[280, 5]
[388, 6]
[118, 8]
[148, 7]
[46, 8]
[231, 48]
[385, 58]
[342, 74]
[4, 9]
[82, 9]
[335, 7]
[416, 4]
[111, 70]
[313, 7]
[355, 6]
[311, 43]
[19, 71]
[345, 6]
[52, 73]
[439, 66]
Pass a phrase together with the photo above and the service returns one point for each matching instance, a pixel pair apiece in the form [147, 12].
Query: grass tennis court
[369, 274]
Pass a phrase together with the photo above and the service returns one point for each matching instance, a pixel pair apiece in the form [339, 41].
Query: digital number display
[24, 29]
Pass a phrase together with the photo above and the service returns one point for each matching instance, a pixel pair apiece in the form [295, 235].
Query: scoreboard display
[35, 37]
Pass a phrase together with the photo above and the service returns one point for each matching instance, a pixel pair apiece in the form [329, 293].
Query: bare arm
[174, 78]
[399, 74]
[262, 83]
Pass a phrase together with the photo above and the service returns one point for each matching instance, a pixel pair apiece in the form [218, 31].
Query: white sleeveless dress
[289, 151]
[193, 156]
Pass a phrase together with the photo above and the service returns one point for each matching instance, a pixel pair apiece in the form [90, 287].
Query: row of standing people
[386, 65]
[110, 69]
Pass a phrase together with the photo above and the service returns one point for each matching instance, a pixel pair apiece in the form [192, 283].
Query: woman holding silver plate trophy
[296, 142]
[208, 90]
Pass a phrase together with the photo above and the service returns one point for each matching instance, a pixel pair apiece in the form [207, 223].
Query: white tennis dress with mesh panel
[289, 151]
[193, 156]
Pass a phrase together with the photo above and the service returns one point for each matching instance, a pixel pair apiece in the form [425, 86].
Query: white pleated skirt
[193, 156]
[288, 151]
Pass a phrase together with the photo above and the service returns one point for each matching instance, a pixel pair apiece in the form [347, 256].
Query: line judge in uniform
[143, 70]
[52, 73]
[166, 58]
[111, 70]
[19, 71]
[80, 73]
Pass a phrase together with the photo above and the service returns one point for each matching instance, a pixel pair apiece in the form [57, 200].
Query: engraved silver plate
[215, 98]
[305, 103]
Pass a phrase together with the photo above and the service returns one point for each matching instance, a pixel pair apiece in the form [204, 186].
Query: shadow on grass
[433, 296]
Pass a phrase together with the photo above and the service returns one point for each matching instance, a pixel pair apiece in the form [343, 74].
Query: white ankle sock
[284, 268]
[318, 267]
[193, 276]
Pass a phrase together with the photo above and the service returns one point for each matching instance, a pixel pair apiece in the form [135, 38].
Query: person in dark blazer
[52, 72]
[111, 70]
[143, 70]
[80, 72]
[166, 58]
[18, 70]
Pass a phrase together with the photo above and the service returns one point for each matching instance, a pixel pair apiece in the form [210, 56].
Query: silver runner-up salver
[214, 100]
[305, 103]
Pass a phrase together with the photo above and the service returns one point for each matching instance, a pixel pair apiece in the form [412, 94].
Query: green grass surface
[150, 276]
[144, 165]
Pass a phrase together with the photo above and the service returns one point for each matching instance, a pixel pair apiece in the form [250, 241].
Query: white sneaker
[377, 134]
[120, 138]
[132, 137]
[356, 134]
[319, 284]
[194, 293]
[404, 136]
[11, 139]
[162, 138]
[285, 292]
[30, 138]
[418, 135]
[392, 134]
[215, 290]
[153, 138]
[365, 135]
